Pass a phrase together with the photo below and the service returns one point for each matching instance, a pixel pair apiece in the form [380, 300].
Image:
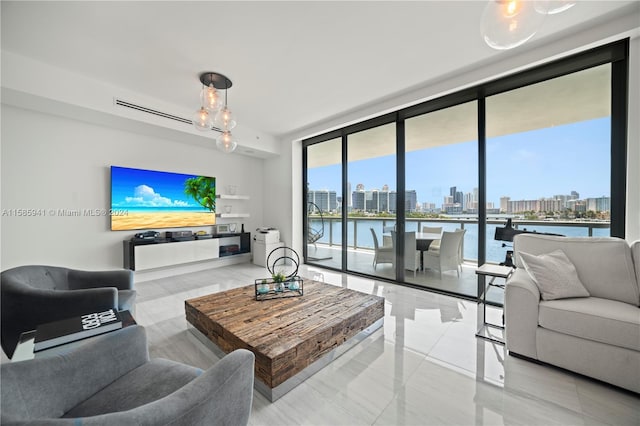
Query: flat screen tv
[148, 199]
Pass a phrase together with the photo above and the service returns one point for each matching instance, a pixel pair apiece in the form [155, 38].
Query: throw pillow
[554, 274]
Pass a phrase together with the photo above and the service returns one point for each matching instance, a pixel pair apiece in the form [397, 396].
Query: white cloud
[146, 196]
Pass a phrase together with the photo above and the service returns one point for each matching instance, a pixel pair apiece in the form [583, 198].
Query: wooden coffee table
[292, 338]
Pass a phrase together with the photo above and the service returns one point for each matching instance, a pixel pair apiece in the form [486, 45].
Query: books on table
[71, 329]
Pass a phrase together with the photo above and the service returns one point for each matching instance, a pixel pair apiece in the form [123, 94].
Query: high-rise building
[325, 200]
[457, 195]
[383, 199]
[357, 200]
[429, 207]
[541, 205]
[469, 203]
[600, 204]
[504, 204]
[563, 200]
[580, 206]
[603, 204]
[371, 201]
[410, 200]
[449, 206]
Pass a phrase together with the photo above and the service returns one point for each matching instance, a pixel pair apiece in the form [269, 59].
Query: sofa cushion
[602, 320]
[147, 383]
[605, 266]
[554, 274]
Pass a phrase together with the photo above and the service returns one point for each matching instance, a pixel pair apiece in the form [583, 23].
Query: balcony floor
[361, 261]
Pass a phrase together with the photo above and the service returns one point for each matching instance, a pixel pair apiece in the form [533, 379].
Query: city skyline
[551, 161]
[375, 200]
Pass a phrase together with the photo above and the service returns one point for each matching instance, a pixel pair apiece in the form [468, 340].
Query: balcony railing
[359, 235]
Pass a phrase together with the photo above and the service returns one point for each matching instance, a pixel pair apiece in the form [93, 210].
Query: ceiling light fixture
[212, 115]
[507, 24]
[226, 142]
[551, 7]
[224, 118]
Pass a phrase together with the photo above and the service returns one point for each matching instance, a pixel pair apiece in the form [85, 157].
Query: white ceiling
[293, 64]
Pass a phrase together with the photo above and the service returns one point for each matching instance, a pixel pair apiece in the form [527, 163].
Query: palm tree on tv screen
[203, 190]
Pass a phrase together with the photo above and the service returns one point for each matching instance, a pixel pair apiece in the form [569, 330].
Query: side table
[494, 272]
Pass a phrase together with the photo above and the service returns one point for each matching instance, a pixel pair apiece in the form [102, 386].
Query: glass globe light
[507, 24]
[202, 120]
[224, 119]
[210, 98]
[226, 142]
[551, 7]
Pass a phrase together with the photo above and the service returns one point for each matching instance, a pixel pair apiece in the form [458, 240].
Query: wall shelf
[232, 197]
[231, 215]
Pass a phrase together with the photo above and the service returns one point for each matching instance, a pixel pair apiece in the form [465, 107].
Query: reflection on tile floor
[361, 261]
[424, 367]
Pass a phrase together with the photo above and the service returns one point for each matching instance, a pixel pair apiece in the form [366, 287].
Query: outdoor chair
[383, 254]
[448, 255]
[411, 254]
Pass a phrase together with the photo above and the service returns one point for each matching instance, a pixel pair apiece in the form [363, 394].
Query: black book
[71, 329]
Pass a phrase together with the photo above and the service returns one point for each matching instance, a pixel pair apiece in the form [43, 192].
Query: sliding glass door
[441, 170]
[371, 183]
[324, 203]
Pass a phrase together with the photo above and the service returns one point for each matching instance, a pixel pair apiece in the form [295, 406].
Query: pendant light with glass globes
[212, 115]
[506, 24]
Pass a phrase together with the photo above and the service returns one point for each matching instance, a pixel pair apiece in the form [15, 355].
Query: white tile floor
[425, 366]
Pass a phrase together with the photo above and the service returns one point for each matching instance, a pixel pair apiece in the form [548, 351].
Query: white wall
[50, 162]
[283, 204]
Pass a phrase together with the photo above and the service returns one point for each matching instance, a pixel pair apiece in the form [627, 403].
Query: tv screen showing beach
[153, 199]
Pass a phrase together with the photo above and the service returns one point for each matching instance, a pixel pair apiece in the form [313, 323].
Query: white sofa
[597, 336]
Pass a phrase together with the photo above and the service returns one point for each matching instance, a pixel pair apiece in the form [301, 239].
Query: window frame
[615, 53]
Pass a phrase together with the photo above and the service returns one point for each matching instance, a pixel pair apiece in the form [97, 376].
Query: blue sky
[529, 165]
[148, 188]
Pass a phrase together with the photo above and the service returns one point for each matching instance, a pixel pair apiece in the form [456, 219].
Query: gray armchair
[34, 294]
[111, 381]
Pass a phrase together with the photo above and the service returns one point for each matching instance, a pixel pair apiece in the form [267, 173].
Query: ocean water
[359, 234]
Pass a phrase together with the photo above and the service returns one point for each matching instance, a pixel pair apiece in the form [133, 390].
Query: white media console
[139, 256]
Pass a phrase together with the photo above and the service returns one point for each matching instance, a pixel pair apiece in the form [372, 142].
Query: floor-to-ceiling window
[441, 169]
[549, 157]
[324, 203]
[545, 147]
[371, 183]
